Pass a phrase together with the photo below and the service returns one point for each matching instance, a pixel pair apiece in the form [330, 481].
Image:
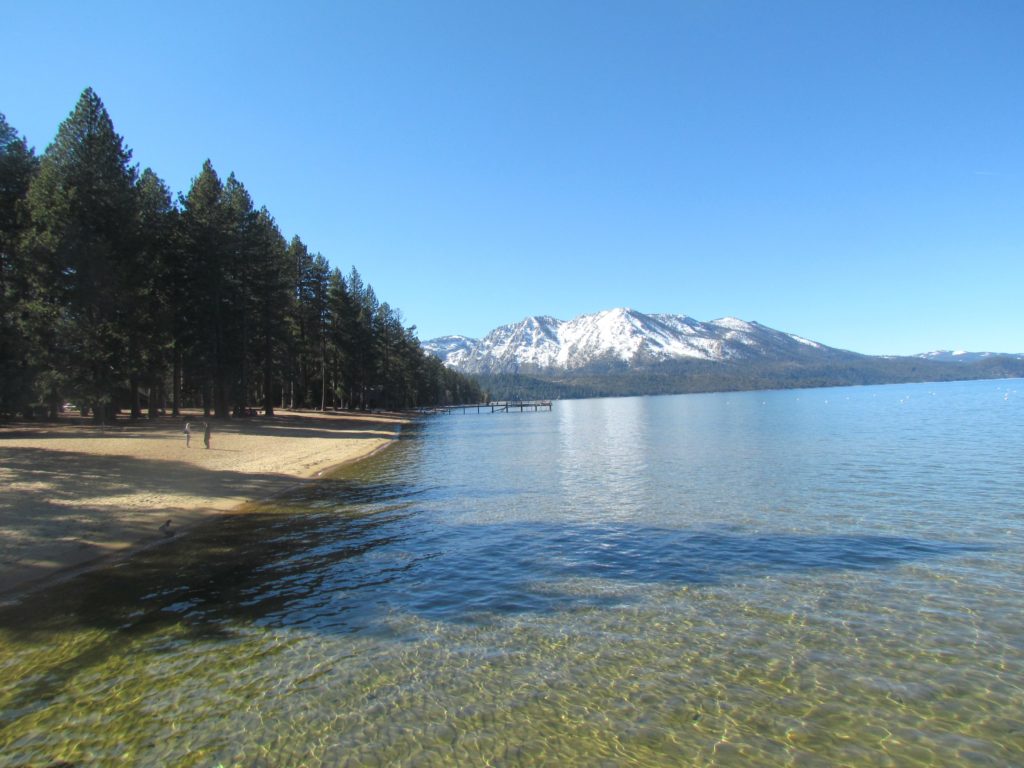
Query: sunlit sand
[73, 494]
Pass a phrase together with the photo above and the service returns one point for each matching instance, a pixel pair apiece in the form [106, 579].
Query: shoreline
[76, 496]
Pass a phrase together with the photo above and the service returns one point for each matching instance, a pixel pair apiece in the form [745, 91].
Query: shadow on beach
[63, 505]
[75, 476]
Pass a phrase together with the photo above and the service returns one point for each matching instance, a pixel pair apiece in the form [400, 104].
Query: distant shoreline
[75, 496]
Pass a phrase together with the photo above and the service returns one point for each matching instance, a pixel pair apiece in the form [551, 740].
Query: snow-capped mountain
[618, 336]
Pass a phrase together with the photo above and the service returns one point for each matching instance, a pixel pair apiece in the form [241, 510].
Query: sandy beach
[73, 494]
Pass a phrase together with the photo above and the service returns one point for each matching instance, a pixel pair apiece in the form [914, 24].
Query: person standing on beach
[206, 433]
[188, 434]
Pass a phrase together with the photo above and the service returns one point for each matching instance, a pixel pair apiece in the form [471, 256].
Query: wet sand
[73, 495]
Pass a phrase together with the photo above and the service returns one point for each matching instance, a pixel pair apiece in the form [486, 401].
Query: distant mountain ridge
[623, 351]
[949, 356]
[619, 335]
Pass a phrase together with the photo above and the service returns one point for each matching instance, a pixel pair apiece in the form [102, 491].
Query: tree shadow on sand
[45, 486]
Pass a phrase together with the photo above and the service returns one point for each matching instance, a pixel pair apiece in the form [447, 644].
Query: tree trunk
[323, 379]
[155, 392]
[176, 382]
[268, 379]
[136, 403]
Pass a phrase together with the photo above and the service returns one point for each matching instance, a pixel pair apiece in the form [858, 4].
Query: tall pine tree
[152, 291]
[270, 289]
[206, 257]
[18, 166]
[82, 206]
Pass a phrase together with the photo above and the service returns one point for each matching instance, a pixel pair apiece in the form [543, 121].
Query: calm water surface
[812, 577]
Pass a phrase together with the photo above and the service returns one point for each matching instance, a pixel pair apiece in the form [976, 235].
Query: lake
[806, 577]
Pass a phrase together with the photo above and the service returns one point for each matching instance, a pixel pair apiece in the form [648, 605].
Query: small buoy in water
[165, 529]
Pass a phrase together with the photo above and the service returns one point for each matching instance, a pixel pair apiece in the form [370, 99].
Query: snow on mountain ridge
[620, 334]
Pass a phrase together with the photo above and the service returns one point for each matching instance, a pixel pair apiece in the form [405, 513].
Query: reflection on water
[820, 577]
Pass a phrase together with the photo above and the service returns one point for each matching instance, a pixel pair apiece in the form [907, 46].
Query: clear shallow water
[775, 578]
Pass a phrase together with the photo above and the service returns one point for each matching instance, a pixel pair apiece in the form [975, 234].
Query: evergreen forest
[117, 297]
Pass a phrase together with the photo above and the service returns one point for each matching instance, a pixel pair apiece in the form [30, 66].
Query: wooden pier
[504, 406]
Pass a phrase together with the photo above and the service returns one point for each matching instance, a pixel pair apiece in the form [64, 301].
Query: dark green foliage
[270, 287]
[362, 305]
[310, 317]
[206, 250]
[81, 249]
[18, 166]
[115, 297]
[153, 288]
[355, 352]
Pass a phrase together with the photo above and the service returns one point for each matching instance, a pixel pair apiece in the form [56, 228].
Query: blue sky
[852, 172]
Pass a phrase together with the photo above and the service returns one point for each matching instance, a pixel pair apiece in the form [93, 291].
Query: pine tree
[310, 319]
[205, 256]
[271, 291]
[82, 207]
[339, 340]
[362, 353]
[298, 362]
[238, 300]
[153, 290]
[320, 273]
[18, 166]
